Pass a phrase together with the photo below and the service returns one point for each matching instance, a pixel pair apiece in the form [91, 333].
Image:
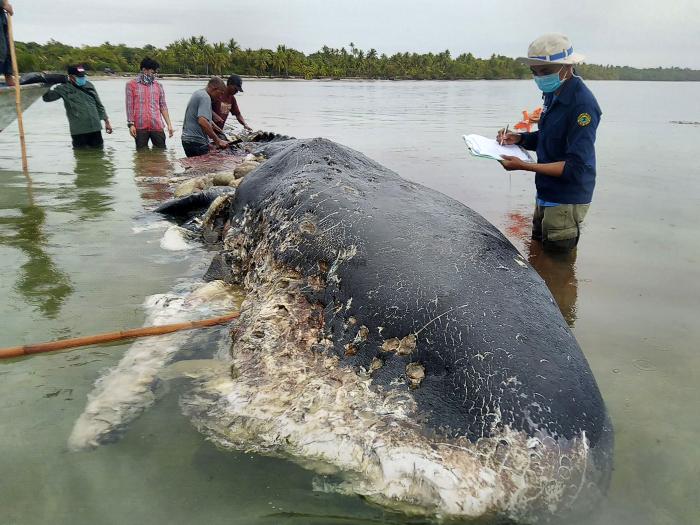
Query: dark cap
[77, 71]
[235, 80]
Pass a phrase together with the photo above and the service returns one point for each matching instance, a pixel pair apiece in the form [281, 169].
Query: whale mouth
[288, 395]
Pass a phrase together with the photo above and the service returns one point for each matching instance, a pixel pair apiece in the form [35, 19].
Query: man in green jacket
[83, 108]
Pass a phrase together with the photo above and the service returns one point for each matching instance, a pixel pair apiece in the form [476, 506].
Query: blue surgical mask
[549, 83]
[80, 81]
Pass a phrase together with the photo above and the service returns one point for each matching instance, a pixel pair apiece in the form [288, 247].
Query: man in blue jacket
[5, 59]
[565, 144]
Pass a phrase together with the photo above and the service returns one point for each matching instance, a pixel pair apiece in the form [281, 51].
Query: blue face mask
[80, 81]
[549, 83]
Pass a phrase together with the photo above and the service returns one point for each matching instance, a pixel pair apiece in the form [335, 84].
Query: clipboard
[487, 148]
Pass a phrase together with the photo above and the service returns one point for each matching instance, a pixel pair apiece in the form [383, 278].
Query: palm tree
[371, 62]
[281, 60]
[208, 56]
[219, 57]
[200, 52]
[233, 46]
[262, 61]
[194, 53]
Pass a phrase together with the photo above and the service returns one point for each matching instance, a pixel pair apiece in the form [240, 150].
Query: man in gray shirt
[197, 128]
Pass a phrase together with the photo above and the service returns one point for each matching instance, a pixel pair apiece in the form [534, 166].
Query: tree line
[197, 56]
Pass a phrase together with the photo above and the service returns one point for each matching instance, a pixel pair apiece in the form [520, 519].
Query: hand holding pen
[505, 137]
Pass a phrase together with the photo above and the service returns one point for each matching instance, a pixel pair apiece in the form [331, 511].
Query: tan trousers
[558, 227]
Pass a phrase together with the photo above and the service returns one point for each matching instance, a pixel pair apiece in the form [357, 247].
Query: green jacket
[83, 106]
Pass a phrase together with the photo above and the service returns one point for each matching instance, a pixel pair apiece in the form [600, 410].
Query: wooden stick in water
[52, 346]
[18, 94]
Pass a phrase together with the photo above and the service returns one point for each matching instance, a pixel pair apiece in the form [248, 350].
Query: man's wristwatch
[129, 124]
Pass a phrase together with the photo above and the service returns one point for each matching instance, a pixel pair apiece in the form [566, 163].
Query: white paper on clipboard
[490, 149]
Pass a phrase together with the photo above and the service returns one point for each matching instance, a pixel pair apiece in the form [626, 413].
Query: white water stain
[142, 227]
[177, 239]
[195, 369]
[125, 391]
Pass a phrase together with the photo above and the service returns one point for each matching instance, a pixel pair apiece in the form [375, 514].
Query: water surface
[80, 251]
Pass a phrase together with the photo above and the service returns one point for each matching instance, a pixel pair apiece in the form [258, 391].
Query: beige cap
[552, 48]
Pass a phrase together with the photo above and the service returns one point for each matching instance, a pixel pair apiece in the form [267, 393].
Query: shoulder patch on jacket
[584, 119]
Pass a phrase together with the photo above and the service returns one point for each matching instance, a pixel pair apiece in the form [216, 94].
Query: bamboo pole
[52, 346]
[18, 94]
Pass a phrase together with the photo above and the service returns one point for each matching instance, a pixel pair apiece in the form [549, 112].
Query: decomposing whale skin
[394, 337]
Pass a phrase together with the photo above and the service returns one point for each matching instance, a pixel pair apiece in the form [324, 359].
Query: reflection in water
[557, 269]
[39, 280]
[153, 168]
[559, 272]
[94, 170]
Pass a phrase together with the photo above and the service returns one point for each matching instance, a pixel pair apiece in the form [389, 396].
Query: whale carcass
[392, 336]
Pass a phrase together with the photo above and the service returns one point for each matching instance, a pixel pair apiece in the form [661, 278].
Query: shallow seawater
[81, 251]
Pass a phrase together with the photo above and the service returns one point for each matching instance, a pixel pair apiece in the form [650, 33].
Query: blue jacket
[566, 132]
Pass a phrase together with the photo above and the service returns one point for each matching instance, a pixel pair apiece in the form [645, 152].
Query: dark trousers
[6, 65]
[5, 58]
[143, 135]
[195, 149]
[88, 140]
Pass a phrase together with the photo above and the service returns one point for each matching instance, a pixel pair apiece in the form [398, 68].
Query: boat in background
[8, 112]
[32, 86]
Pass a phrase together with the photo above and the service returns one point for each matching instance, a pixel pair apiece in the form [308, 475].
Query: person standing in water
[565, 144]
[197, 126]
[5, 57]
[228, 104]
[146, 108]
[84, 108]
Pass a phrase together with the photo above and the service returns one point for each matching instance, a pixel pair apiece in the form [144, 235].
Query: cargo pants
[558, 227]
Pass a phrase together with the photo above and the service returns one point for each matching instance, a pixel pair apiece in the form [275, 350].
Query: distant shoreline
[195, 57]
[171, 76]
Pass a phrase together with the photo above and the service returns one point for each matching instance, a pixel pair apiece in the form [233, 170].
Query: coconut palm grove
[196, 56]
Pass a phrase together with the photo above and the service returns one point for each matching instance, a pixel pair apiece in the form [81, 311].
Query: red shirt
[222, 109]
[144, 103]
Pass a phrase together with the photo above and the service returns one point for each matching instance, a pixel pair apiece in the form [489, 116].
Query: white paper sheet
[483, 147]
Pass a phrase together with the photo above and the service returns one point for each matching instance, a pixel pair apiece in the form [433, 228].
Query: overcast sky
[640, 33]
